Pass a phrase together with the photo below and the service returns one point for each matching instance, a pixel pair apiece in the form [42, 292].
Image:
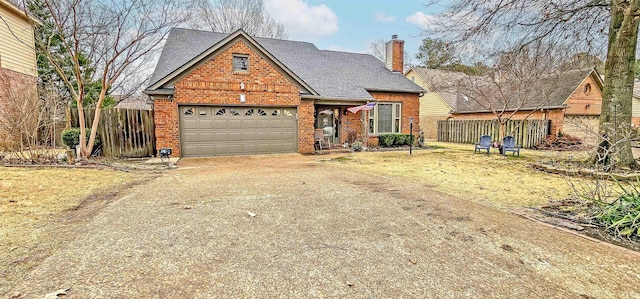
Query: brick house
[18, 70]
[234, 94]
[571, 101]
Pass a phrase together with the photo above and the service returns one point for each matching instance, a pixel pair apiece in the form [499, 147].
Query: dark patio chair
[509, 145]
[483, 145]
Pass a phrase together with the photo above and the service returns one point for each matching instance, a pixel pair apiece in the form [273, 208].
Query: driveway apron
[296, 226]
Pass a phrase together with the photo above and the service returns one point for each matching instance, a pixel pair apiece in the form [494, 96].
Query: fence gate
[528, 133]
[123, 132]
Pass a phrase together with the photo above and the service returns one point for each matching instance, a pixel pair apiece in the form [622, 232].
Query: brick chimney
[395, 54]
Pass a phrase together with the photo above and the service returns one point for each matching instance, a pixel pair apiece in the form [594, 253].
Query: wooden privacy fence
[527, 132]
[123, 132]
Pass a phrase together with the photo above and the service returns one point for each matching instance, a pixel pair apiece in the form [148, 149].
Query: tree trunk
[615, 118]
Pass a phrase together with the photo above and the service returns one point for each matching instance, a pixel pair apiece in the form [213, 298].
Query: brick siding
[555, 115]
[214, 82]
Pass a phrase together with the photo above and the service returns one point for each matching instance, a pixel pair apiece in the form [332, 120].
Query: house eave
[510, 110]
[20, 12]
[396, 90]
[335, 100]
[160, 91]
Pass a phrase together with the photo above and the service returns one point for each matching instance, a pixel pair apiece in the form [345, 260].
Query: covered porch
[337, 127]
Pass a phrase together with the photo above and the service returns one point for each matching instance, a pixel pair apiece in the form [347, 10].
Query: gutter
[396, 90]
[510, 110]
[161, 91]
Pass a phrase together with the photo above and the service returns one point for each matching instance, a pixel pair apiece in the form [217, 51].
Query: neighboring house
[135, 102]
[440, 98]
[18, 70]
[233, 94]
[571, 101]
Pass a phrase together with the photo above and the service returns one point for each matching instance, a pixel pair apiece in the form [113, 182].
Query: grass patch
[32, 201]
[342, 159]
[494, 180]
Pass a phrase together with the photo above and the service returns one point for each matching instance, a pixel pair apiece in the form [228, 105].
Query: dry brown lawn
[493, 180]
[36, 205]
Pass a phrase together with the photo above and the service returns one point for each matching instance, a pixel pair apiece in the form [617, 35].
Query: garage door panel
[235, 136]
[219, 123]
[235, 123]
[288, 135]
[250, 135]
[190, 136]
[249, 124]
[205, 137]
[205, 123]
[263, 123]
[190, 123]
[220, 137]
[205, 148]
[216, 130]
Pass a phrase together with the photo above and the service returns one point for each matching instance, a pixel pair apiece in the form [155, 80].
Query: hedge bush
[386, 140]
[71, 137]
[390, 140]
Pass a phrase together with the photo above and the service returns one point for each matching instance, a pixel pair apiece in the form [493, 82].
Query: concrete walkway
[293, 226]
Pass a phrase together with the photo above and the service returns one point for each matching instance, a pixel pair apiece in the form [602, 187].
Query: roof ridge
[254, 37]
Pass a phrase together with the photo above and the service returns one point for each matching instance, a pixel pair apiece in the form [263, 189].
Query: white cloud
[383, 17]
[421, 20]
[301, 20]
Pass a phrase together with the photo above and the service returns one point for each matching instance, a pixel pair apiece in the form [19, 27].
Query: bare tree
[587, 25]
[519, 85]
[227, 16]
[378, 49]
[114, 36]
[25, 122]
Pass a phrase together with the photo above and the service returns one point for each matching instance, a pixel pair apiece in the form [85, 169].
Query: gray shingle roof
[550, 91]
[331, 74]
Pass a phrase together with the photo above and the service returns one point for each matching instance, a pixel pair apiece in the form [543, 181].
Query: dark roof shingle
[332, 74]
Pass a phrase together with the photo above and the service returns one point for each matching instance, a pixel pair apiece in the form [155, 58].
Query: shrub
[400, 139]
[410, 139]
[389, 140]
[71, 138]
[357, 146]
[386, 140]
[621, 216]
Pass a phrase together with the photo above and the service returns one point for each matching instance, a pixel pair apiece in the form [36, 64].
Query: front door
[328, 119]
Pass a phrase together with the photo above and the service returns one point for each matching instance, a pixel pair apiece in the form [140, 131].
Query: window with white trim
[385, 118]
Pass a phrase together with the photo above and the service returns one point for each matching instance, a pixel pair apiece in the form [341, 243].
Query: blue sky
[351, 25]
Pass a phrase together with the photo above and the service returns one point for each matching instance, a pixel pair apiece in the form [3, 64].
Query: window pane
[396, 126]
[240, 63]
[385, 118]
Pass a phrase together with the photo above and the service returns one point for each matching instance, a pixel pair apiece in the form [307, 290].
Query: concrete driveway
[319, 232]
